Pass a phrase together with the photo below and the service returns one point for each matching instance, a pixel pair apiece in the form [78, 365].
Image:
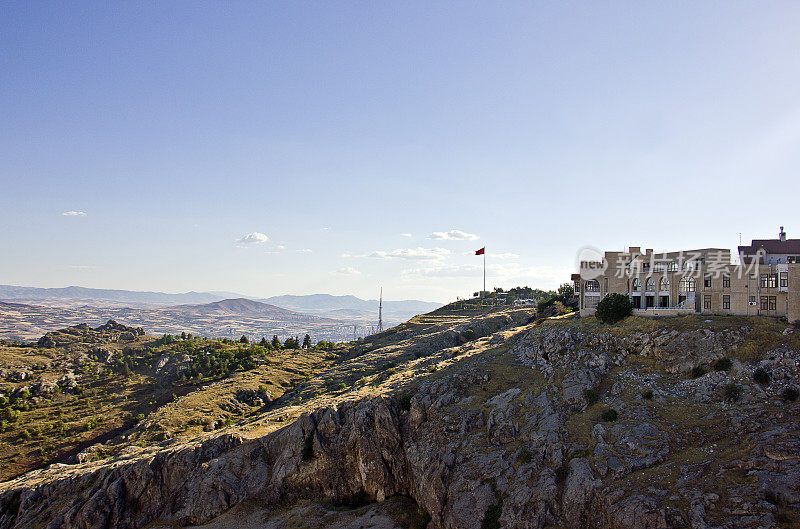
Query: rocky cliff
[557, 424]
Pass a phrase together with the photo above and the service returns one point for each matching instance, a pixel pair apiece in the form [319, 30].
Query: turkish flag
[481, 251]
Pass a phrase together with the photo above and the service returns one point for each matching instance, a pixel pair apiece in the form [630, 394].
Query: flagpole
[484, 269]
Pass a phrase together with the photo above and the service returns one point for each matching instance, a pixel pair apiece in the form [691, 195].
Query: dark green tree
[244, 339]
[276, 343]
[307, 342]
[613, 308]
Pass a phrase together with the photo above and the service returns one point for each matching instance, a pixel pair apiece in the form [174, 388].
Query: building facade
[764, 281]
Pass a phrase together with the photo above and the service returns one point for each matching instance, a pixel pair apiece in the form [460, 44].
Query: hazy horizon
[340, 148]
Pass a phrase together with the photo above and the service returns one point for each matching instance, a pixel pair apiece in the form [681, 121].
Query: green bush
[723, 364]
[25, 434]
[648, 394]
[731, 392]
[610, 415]
[524, 456]
[790, 394]
[761, 376]
[698, 371]
[405, 402]
[592, 396]
[469, 335]
[613, 308]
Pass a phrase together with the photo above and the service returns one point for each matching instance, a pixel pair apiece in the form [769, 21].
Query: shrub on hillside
[731, 392]
[723, 364]
[790, 394]
[698, 371]
[613, 308]
[610, 415]
[648, 394]
[592, 396]
[405, 402]
[761, 376]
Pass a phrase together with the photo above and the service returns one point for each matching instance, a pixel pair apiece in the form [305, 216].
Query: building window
[707, 302]
[672, 267]
[663, 285]
[784, 279]
[764, 302]
[637, 285]
[793, 259]
[686, 284]
[726, 281]
[773, 303]
[591, 302]
[650, 285]
[707, 282]
[752, 300]
[726, 302]
[773, 281]
[592, 286]
[764, 280]
[605, 284]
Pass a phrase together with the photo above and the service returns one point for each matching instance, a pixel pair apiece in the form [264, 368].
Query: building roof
[773, 246]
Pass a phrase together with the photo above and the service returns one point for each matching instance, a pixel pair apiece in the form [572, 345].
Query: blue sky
[349, 133]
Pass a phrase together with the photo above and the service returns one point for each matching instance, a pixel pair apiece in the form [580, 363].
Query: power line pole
[380, 312]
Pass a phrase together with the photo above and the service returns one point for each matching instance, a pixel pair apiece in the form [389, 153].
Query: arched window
[592, 286]
[663, 285]
[637, 285]
[686, 285]
[650, 285]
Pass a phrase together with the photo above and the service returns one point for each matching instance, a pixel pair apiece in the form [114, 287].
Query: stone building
[764, 281]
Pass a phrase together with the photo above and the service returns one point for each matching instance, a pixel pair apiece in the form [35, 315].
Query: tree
[276, 343]
[566, 292]
[183, 335]
[244, 339]
[263, 342]
[307, 342]
[613, 308]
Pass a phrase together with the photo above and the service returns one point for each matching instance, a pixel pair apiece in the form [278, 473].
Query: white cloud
[453, 235]
[72, 213]
[305, 250]
[346, 271]
[499, 274]
[445, 271]
[405, 235]
[417, 254]
[280, 247]
[253, 238]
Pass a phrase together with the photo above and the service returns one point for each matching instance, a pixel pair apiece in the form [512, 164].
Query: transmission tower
[380, 312]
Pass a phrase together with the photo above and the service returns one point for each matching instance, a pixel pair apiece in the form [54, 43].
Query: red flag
[481, 251]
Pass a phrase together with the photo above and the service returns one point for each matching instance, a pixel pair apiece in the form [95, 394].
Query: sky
[272, 148]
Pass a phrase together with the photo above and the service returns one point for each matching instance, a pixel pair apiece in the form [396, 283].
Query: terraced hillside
[484, 417]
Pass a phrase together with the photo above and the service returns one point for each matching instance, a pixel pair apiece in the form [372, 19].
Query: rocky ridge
[512, 433]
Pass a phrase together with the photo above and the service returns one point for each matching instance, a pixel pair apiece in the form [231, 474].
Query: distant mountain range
[324, 305]
[351, 307]
[131, 297]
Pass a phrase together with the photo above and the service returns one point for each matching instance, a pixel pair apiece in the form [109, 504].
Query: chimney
[782, 235]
